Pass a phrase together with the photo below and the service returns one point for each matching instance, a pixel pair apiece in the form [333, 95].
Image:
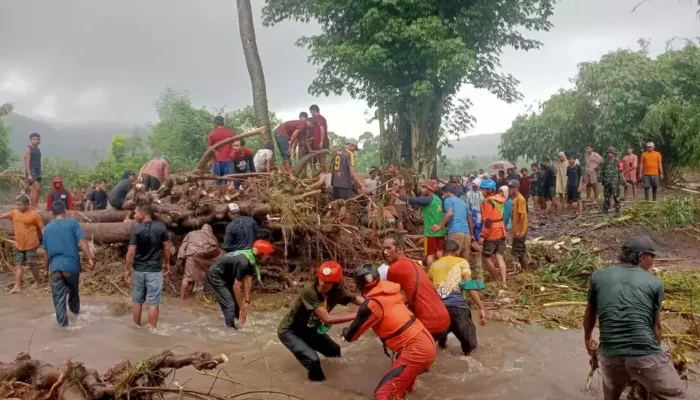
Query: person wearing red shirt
[320, 135]
[422, 298]
[241, 160]
[58, 193]
[286, 135]
[221, 165]
[525, 185]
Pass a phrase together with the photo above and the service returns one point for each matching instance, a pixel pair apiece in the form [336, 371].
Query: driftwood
[301, 164]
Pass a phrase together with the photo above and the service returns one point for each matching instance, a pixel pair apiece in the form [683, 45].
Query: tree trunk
[90, 216]
[108, 232]
[255, 69]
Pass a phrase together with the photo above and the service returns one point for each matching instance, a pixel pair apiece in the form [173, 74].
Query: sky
[108, 60]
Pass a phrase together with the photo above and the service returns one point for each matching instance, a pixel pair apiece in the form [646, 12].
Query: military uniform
[610, 178]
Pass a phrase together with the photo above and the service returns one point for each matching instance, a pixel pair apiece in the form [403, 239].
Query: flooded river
[511, 363]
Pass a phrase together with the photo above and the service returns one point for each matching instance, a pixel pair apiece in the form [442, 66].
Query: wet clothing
[24, 257]
[422, 298]
[492, 213]
[446, 274]
[298, 330]
[98, 199]
[35, 163]
[432, 210]
[221, 277]
[61, 238]
[610, 178]
[243, 161]
[199, 250]
[148, 237]
[26, 227]
[655, 372]
[240, 234]
[492, 247]
[216, 136]
[65, 290]
[626, 299]
[385, 312]
[118, 194]
[59, 194]
[146, 286]
[343, 161]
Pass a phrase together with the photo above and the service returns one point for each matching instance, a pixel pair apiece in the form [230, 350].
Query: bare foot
[34, 286]
[15, 290]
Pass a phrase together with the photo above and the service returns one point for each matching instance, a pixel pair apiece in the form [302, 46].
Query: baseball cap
[233, 208]
[430, 184]
[641, 244]
[219, 120]
[351, 141]
[514, 183]
[650, 144]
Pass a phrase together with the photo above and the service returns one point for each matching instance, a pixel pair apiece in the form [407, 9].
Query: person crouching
[304, 329]
[386, 313]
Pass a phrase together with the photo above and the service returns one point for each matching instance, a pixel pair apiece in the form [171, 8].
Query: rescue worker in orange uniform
[493, 234]
[385, 312]
[422, 298]
[304, 329]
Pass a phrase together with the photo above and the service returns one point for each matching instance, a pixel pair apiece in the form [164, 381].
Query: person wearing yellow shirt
[651, 171]
[519, 223]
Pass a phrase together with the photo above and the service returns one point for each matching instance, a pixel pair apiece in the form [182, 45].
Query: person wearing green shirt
[626, 300]
[433, 213]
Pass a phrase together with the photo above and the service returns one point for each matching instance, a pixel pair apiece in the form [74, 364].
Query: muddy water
[511, 363]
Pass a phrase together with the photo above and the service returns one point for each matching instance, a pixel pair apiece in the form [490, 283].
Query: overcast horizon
[82, 61]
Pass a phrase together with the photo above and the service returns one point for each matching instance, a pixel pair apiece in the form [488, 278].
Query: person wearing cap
[519, 223]
[344, 175]
[457, 220]
[493, 234]
[154, 172]
[610, 178]
[626, 300]
[231, 280]
[147, 261]
[304, 329]
[241, 232]
[58, 193]
[630, 162]
[386, 314]
[433, 213]
[593, 161]
[574, 182]
[651, 171]
[221, 165]
[286, 136]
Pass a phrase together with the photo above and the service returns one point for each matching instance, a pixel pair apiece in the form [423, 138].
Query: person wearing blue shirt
[457, 219]
[62, 238]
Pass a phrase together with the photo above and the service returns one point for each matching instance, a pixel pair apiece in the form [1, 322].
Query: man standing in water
[626, 300]
[304, 330]
[32, 168]
[27, 226]
[149, 256]
[62, 239]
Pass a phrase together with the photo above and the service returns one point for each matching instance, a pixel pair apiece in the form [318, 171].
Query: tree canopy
[624, 99]
[6, 155]
[409, 58]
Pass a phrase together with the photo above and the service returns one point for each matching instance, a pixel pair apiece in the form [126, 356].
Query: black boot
[316, 373]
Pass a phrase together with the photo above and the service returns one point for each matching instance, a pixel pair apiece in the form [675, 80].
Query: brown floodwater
[511, 363]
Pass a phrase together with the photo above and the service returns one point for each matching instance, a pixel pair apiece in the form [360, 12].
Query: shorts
[519, 248]
[463, 240]
[146, 286]
[549, 192]
[573, 195]
[24, 257]
[150, 183]
[283, 144]
[650, 181]
[492, 247]
[432, 245]
[590, 177]
[342, 193]
[221, 168]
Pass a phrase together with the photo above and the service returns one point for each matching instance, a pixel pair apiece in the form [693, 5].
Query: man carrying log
[27, 227]
[198, 252]
[62, 239]
[626, 300]
[149, 256]
[231, 279]
[241, 232]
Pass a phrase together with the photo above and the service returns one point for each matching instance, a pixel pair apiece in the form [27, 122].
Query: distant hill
[477, 145]
[77, 141]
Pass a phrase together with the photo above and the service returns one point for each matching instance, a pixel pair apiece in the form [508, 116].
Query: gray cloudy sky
[87, 60]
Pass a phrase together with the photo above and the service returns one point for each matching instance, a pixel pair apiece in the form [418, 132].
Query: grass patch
[667, 213]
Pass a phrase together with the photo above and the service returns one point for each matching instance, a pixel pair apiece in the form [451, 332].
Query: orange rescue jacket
[492, 215]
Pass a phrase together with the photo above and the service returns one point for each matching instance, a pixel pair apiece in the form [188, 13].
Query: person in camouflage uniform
[610, 178]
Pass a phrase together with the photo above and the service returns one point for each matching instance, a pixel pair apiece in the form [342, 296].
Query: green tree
[7, 158]
[409, 58]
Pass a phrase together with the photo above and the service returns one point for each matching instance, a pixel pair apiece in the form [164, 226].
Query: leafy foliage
[6, 155]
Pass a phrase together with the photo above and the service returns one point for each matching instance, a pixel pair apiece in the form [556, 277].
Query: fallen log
[301, 164]
[90, 216]
[202, 165]
[107, 232]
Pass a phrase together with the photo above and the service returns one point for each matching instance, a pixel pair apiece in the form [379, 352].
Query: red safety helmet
[263, 247]
[330, 271]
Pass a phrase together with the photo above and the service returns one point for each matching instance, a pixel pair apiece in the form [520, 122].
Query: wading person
[62, 239]
[98, 197]
[629, 172]
[154, 172]
[58, 193]
[32, 168]
[422, 298]
[590, 177]
[304, 330]
[221, 165]
[626, 300]
[241, 232]
[610, 178]
[147, 260]
[118, 194]
[651, 171]
[493, 233]
[432, 211]
[574, 181]
[449, 274]
[519, 223]
[231, 279]
[27, 226]
[458, 219]
[197, 253]
[385, 312]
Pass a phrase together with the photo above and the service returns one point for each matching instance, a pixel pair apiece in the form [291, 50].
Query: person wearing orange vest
[493, 234]
[385, 312]
[304, 329]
